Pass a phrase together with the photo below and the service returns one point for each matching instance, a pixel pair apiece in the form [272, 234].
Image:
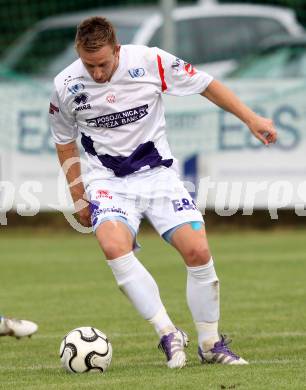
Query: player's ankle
[167, 330]
[162, 323]
[3, 326]
[207, 334]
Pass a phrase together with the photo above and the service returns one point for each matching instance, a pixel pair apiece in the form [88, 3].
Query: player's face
[102, 63]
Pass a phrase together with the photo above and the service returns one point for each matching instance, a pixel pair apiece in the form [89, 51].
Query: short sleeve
[62, 122]
[179, 77]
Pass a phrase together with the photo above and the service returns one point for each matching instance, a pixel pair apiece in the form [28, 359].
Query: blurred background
[257, 47]
[17, 16]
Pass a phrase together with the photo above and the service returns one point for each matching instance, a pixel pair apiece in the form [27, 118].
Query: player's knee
[197, 255]
[115, 248]
[115, 239]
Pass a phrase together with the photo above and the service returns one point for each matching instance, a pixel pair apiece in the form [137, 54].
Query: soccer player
[112, 97]
[16, 328]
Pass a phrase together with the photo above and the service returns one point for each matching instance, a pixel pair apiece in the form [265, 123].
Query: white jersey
[122, 122]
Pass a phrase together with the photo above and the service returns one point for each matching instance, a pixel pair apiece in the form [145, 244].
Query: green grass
[61, 282]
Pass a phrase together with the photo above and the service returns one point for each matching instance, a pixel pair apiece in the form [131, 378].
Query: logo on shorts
[96, 211]
[103, 194]
[136, 72]
[183, 204]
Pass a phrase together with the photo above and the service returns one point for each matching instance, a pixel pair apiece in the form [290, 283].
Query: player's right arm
[65, 132]
[69, 158]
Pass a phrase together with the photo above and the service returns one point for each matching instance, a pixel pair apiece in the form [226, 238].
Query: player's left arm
[262, 128]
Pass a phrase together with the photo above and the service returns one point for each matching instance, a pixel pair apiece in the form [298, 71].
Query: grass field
[61, 282]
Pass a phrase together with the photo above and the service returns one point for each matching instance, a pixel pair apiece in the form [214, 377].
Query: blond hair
[94, 33]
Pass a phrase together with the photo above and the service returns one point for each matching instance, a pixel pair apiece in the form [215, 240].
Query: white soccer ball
[85, 349]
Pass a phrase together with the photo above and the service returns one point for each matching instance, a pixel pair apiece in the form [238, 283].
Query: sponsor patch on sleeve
[53, 109]
[189, 69]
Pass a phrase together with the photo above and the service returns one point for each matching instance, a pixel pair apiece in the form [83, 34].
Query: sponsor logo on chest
[121, 118]
[111, 98]
[81, 102]
[76, 88]
[136, 72]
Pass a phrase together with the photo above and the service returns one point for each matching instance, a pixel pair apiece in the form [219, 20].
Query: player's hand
[84, 216]
[263, 129]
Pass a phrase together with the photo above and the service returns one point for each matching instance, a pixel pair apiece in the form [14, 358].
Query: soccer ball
[85, 349]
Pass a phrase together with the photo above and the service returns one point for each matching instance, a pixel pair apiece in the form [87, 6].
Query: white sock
[2, 325]
[207, 334]
[141, 289]
[162, 323]
[203, 302]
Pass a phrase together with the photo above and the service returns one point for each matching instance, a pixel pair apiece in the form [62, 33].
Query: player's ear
[116, 49]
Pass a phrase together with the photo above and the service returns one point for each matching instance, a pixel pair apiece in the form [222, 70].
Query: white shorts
[157, 194]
